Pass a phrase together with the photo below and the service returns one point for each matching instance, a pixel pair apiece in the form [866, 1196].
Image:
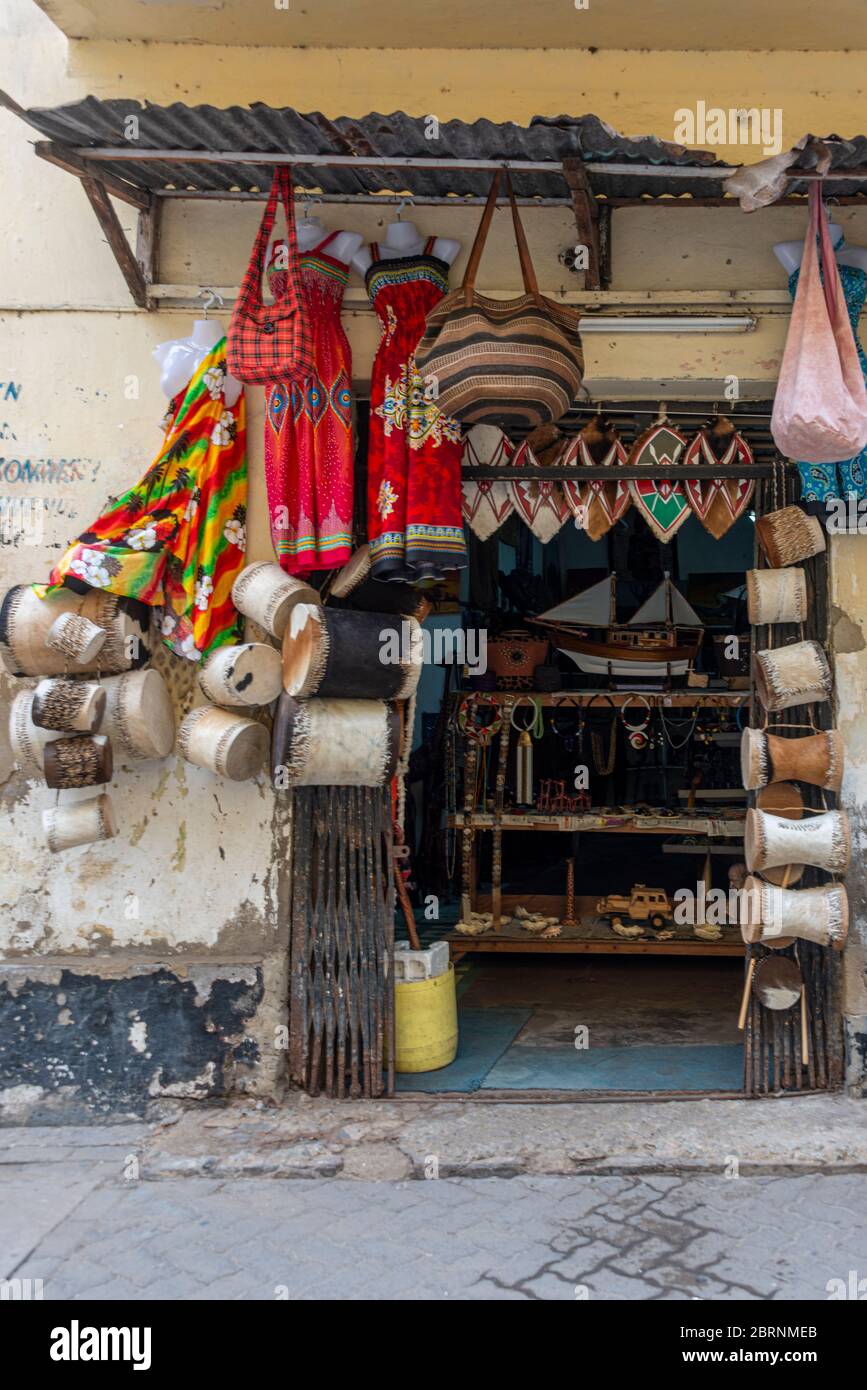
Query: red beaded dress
[309, 443]
[414, 521]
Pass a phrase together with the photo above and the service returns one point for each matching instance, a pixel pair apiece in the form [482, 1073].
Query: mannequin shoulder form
[447, 249]
[362, 260]
[177, 363]
[854, 256]
[346, 246]
[789, 254]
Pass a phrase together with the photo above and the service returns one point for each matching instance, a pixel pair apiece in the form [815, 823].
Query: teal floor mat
[485, 1034]
[647, 1068]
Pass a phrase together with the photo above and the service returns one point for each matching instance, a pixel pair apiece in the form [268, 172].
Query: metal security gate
[774, 1059]
[341, 997]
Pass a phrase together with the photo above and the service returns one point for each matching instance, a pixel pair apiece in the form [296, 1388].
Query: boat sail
[661, 639]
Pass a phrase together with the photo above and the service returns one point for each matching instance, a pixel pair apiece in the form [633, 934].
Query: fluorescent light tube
[672, 323]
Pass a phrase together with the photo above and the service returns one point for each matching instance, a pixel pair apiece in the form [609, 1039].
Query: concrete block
[420, 965]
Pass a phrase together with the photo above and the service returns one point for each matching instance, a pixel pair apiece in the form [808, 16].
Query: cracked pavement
[78, 1211]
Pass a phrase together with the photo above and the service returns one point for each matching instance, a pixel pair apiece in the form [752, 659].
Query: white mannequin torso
[405, 239]
[790, 253]
[310, 232]
[180, 359]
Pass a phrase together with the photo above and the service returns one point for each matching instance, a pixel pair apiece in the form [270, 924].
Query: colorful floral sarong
[176, 540]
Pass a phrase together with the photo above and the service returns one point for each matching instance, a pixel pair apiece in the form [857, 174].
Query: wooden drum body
[820, 915]
[788, 536]
[334, 743]
[267, 594]
[26, 620]
[248, 675]
[78, 762]
[81, 823]
[816, 758]
[770, 842]
[776, 596]
[73, 706]
[139, 714]
[223, 742]
[340, 654]
[795, 675]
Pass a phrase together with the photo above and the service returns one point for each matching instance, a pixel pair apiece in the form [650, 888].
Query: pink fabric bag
[820, 408]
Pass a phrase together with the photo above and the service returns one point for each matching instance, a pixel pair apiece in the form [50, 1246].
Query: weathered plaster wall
[849, 642]
[192, 887]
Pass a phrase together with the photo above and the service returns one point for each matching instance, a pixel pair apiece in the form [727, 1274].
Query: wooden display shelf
[591, 937]
[730, 827]
[599, 699]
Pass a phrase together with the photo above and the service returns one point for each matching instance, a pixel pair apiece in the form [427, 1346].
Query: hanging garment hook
[308, 201]
[210, 298]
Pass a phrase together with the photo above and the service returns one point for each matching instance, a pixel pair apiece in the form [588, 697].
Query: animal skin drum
[777, 983]
[796, 675]
[353, 588]
[25, 621]
[78, 762]
[339, 654]
[267, 594]
[776, 596]
[27, 740]
[73, 706]
[82, 823]
[789, 536]
[223, 742]
[820, 915]
[139, 715]
[816, 758]
[77, 638]
[771, 842]
[334, 743]
[786, 800]
[245, 675]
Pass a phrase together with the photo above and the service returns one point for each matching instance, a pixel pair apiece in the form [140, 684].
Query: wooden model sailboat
[662, 638]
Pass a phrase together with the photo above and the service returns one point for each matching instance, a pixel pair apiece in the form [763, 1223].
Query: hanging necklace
[637, 733]
[570, 737]
[604, 765]
[527, 732]
[678, 725]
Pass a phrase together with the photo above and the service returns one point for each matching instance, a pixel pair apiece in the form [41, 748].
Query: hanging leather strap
[528, 274]
[281, 191]
[827, 259]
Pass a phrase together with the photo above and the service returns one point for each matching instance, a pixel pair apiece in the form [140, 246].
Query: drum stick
[805, 1040]
[742, 1016]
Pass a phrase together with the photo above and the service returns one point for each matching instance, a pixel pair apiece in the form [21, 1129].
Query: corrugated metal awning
[123, 135]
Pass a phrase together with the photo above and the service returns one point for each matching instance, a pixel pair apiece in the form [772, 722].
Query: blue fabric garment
[820, 481]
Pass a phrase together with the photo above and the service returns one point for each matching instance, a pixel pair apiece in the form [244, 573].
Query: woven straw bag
[507, 362]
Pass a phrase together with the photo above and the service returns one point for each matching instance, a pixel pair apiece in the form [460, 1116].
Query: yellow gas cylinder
[425, 1023]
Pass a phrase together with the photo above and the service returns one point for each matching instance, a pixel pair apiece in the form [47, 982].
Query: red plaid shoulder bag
[271, 342]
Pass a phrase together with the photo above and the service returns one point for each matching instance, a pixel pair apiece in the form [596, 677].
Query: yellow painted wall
[205, 877]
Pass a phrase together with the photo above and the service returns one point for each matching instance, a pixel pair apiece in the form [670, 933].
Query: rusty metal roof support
[131, 151]
[586, 220]
[116, 238]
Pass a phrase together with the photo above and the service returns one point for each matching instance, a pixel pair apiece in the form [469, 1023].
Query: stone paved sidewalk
[306, 1137]
[94, 1234]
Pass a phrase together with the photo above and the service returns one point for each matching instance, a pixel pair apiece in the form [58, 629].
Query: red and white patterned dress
[309, 441]
[414, 521]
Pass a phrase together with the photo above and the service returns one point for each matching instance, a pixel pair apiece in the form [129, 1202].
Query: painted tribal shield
[719, 503]
[486, 502]
[596, 505]
[661, 501]
[539, 502]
